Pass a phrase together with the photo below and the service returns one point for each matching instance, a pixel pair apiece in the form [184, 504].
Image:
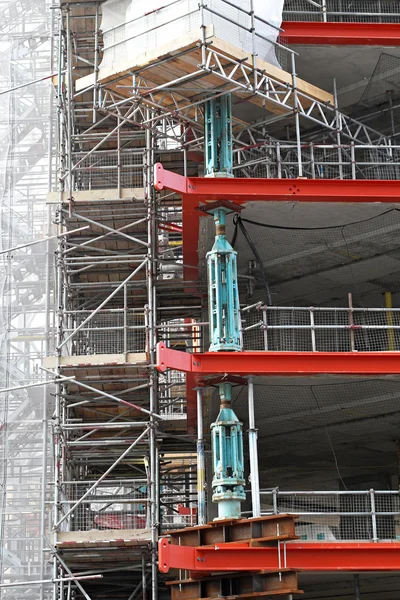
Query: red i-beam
[278, 363]
[341, 34]
[241, 191]
[304, 556]
[196, 191]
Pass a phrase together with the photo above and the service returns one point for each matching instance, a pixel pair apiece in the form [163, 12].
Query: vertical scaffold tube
[201, 479]
[253, 451]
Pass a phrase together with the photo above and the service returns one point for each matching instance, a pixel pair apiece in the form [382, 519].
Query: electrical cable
[330, 440]
[284, 227]
[238, 222]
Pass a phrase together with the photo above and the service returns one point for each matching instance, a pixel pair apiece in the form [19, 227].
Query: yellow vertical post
[389, 320]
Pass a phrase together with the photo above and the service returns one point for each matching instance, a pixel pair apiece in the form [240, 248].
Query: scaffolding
[97, 444]
[27, 127]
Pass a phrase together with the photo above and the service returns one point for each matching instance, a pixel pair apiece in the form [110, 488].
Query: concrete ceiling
[306, 425]
[361, 255]
[313, 431]
[351, 66]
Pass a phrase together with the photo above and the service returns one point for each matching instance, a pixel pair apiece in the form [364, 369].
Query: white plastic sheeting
[131, 30]
[270, 11]
[25, 134]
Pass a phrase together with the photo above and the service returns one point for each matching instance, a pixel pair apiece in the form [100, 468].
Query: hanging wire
[239, 223]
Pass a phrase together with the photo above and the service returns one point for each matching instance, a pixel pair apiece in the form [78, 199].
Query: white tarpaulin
[131, 30]
[270, 11]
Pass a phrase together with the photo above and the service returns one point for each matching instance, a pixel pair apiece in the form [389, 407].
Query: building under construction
[200, 299]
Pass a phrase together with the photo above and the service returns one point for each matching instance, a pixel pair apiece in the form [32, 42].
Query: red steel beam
[305, 556]
[203, 189]
[279, 363]
[196, 190]
[341, 34]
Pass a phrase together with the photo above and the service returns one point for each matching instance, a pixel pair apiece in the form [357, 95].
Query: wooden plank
[82, 196]
[275, 72]
[191, 58]
[50, 362]
[133, 536]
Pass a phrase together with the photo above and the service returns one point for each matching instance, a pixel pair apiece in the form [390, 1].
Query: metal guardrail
[280, 160]
[361, 11]
[309, 329]
[338, 515]
[124, 504]
[320, 329]
[119, 504]
[112, 331]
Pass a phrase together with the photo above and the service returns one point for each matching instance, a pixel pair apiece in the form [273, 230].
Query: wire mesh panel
[326, 516]
[320, 161]
[178, 501]
[108, 169]
[119, 504]
[362, 11]
[172, 394]
[109, 332]
[298, 329]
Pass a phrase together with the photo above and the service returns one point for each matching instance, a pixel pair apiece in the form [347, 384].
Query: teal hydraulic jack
[224, 316]
[223, 292]
[218, 137]
[227, 448]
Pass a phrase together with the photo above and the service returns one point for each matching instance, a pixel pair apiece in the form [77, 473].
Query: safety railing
[185, 333]
[105, 169]
[338, 515]
[113, 504]
[320, 329]
[113, 331]
[305, 329]
[172, 395]
[357, 11]
[178, 501]
[275, 159]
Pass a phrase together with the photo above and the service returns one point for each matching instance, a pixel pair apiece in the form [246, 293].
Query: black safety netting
[384, 82]
[305, 406]
[379, 104]
[322, 264]
[307, 426]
